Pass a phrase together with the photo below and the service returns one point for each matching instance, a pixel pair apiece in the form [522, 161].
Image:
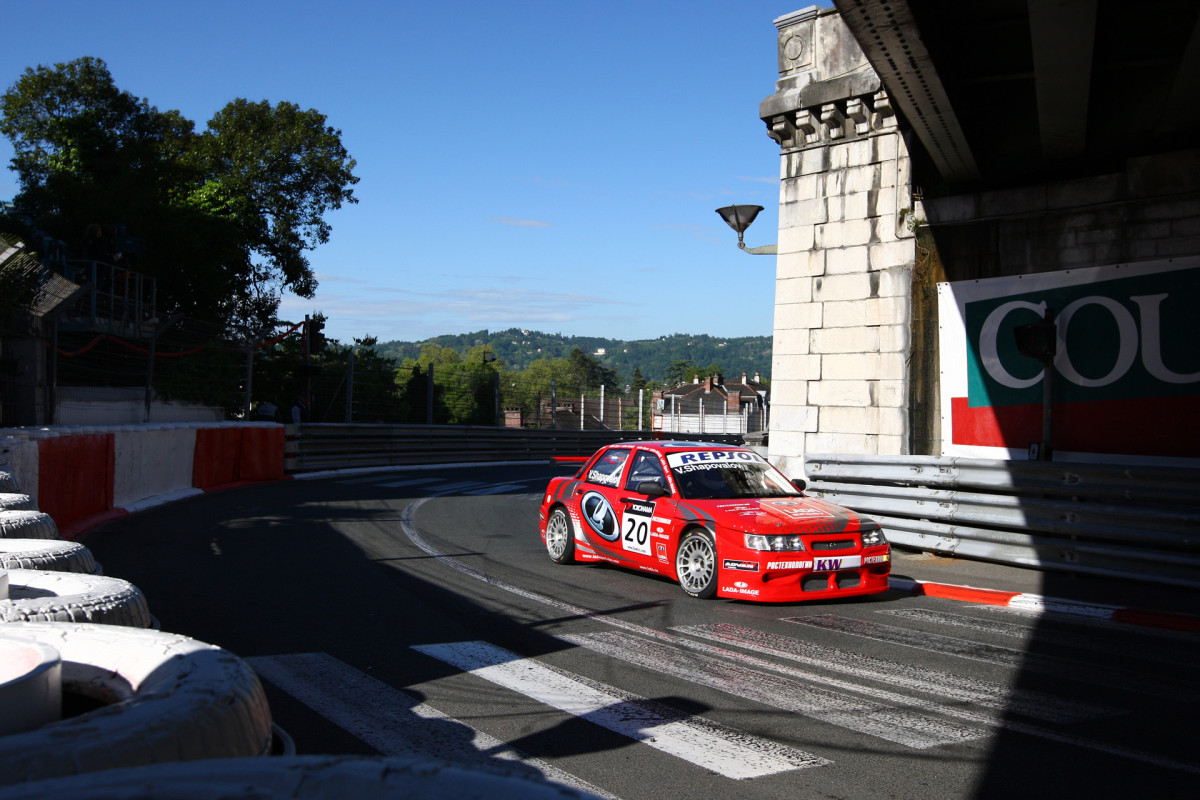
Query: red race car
[719, 519]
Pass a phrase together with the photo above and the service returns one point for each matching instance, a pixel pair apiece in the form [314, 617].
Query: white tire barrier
[41, 596]
[14, 501]
[168, 698]
[30, 685]
[26, 524]
[8, 481]
[299, 778]
[42, 554]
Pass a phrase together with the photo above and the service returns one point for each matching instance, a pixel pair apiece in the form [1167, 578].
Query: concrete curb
[1038, 604]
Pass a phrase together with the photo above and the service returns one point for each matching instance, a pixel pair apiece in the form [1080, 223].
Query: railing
[312, 447]
[1136, 523]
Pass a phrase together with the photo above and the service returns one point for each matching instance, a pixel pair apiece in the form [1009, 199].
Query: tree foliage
[220, 219]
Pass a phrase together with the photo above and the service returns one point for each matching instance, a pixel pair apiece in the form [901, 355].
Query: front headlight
[873, 536]
[757, 541]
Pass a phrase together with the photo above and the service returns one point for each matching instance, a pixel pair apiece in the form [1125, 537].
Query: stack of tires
[95, 702]
[86, 681]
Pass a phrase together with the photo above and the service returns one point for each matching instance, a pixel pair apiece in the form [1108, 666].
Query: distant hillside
[518, 348]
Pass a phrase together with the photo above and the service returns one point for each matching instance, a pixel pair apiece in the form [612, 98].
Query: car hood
[776, 515]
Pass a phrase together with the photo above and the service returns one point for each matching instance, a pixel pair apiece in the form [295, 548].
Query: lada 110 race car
[720, 520]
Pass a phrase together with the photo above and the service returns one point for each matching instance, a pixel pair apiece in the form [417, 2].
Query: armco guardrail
[1138, 523]
[320, 446]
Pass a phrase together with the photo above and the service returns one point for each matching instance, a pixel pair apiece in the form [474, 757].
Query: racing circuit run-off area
[432, 616]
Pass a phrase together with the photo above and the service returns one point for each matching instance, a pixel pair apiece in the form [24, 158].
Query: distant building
[713, 406]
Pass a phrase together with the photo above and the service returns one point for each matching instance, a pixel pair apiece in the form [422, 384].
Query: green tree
[225, 217]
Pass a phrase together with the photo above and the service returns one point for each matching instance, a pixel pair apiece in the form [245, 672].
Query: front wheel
[696, 564]
[560, 543]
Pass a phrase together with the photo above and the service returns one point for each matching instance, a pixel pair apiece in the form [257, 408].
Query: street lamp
[739, 218]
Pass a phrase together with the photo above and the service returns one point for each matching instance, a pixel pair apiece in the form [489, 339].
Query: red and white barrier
[81, 476]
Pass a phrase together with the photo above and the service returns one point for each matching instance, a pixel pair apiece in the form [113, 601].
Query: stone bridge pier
[844, 340]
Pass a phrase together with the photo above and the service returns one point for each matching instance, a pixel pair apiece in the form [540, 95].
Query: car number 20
[635, 528]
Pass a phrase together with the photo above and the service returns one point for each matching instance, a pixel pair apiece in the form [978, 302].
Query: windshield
[718, 474]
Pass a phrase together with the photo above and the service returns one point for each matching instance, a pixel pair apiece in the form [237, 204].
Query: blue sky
[553, 166]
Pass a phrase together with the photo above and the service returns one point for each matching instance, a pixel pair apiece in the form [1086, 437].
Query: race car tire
[27, 524]
[44, 596]
[15, 501]
[696, 564]
[155, 698]
[300, 778]
[560, 539]
[41, 554]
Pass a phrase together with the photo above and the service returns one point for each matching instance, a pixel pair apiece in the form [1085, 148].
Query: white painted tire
[26, 524]
[299, 778]
[8, 481]
[14, 501]
[169, 698]
[42, 596]
[42, 554]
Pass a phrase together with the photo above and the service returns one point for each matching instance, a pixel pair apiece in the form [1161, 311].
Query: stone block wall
[845, 254]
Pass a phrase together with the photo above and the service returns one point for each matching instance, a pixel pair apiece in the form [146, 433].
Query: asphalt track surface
[414, 612]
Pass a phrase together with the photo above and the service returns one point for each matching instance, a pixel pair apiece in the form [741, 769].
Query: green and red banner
[1125, 377]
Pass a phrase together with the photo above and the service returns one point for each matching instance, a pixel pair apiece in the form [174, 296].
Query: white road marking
[391, 721]
[497, 488]
[696, 740]
[898, 674]
[410, 530]
[899, 724]
[1003, 656]
[1060, 638]
[398, 484]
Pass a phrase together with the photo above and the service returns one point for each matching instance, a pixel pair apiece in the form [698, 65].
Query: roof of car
[668, 445]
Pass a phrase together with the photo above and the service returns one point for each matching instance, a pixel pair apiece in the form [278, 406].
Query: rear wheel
[560, 543]
[696, 564]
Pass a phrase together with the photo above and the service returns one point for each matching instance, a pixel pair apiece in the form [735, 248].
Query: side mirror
[652, 489]
[800, 483]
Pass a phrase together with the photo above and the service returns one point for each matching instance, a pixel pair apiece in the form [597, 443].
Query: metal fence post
[429, 398]
[350, 386]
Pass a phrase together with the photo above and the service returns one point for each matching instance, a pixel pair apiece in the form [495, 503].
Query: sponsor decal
[714, 456]
[599, 516]
[662, 520]
[789, 565]
[661, 550]
[596, 476]
[635, 528]
[876, 559]
[796, 510]
[832, 564]
[1124, 350]
[740, 589]
[744, 566]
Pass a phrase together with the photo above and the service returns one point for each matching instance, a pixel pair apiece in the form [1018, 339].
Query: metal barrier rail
[1129, 522]
[320, 446]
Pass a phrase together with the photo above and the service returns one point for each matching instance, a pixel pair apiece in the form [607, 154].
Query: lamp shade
[739, 217]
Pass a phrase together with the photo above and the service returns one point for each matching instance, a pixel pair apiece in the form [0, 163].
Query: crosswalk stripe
[391, 721]
[1002, 656]
[898, 674]
[696, 740]
[410, 530]
[901, 725]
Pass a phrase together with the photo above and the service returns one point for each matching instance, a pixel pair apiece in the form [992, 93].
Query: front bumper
[799, 576]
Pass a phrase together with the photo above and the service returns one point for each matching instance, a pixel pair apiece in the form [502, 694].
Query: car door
[600, 507]
[644, 536]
